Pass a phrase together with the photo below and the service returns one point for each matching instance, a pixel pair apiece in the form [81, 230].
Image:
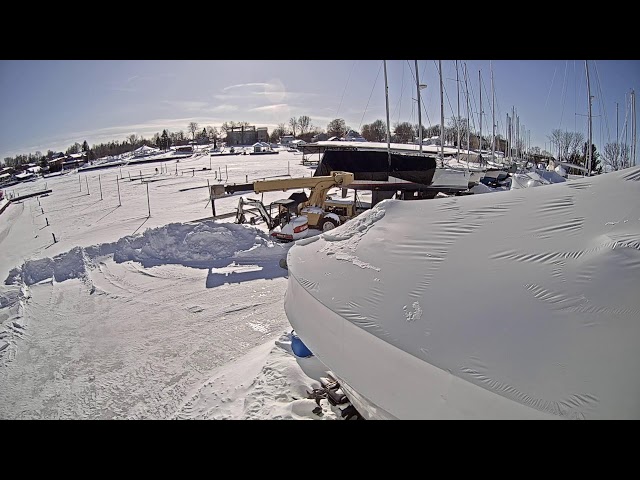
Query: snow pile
[265, 383]
[481, 188]
[202, 244]
[205, 244]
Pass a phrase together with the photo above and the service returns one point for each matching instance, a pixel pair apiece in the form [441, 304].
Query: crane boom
[318, 185]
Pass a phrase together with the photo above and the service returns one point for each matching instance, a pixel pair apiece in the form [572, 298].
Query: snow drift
[206, 244]
[518, 305]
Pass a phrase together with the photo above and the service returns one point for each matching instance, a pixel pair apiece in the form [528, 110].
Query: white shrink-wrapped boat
[520, 305]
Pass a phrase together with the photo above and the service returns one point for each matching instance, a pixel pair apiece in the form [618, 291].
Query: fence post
[100, 182]
[148, 202]
[118, 184]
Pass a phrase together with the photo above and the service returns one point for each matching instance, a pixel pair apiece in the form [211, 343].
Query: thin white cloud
[268, 108]
[243, 85]
[224, 108]
[186, 104]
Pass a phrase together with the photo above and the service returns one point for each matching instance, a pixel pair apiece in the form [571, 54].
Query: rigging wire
[603, 103]
[445, 90]
[575, 97]
[374, 86]
[473, 120]
[399, 104]
[345, 87]
[549, 94]
[421, 98]
[564, 84]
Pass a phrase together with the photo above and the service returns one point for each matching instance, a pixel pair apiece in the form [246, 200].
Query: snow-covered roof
[24, 175]
[519, 304]
[145, 148]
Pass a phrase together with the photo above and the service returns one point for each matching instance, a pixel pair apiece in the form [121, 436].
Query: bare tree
[451, 133]
[575, 141]
[304, 124]
[404, 132]
[132, 139]
[336, 128]
[616, 155]
[212, 133]
[375, 132]
[293, 123]
[193, 128]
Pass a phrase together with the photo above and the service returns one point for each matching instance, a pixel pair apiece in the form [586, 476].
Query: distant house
[74, 160]
[144, 151]
[24, 176]
[321, 137]
[286, 139]
[261, 147]
[183, 149]
[353, 136]
[55, 164]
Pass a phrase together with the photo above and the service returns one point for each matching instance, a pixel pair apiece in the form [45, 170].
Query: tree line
[568, 146]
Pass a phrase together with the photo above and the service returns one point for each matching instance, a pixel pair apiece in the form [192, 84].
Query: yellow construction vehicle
[298, 213]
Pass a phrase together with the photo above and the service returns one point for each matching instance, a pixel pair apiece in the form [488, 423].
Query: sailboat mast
[466, 88]
[386, 94]
[419, 108]
[458, 119]
[589, 148]
[633, 125]
[493, 116]
[615, 162]
[480, 139]
[441, 114]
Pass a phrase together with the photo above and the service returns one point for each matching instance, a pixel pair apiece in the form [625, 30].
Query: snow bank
[205, 244]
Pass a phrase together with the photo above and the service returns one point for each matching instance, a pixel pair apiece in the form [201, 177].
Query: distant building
[321, 137]
[246, 135]
[262, 134]
[286, 139]
[55, 164]
[353, 136]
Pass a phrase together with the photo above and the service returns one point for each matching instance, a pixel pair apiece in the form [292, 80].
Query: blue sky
[50, 104]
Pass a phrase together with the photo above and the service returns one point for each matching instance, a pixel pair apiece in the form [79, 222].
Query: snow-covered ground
[127, 315]
[107, 311]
